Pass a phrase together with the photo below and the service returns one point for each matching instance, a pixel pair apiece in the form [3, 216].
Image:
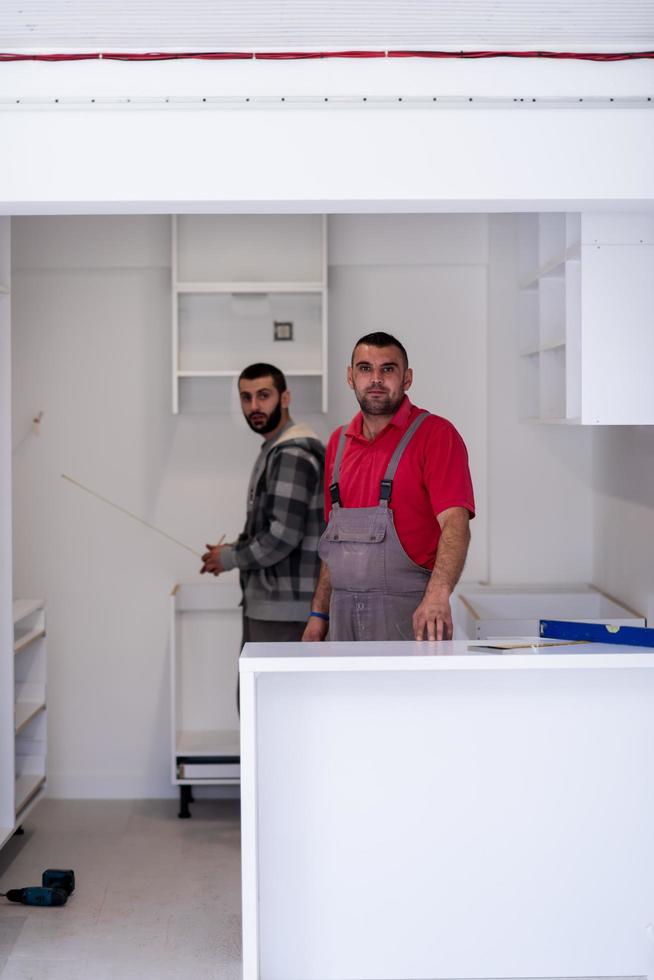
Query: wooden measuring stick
[134, 517]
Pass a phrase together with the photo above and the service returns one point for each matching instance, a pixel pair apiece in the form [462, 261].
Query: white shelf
[27, 787]
[554, 269]
[26, 711]
[234, 288]
[540, 350]
[22, 608]
[209, 743]
[23, 639]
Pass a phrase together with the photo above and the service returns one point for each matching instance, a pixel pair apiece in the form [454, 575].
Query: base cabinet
[205, 643]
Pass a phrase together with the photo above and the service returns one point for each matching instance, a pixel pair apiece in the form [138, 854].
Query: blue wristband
[320, 616]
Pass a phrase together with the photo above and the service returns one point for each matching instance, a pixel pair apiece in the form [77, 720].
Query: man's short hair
[254, 371]
[381, 339]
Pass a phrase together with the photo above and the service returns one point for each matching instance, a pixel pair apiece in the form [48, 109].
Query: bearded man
[399, 500]
[277, 552]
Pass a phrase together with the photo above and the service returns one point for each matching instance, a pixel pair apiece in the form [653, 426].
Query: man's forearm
[323, 593]
[450, 555]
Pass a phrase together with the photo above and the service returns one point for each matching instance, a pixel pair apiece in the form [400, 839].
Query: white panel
[404, 830]
[344, 159]
[617, 336]
[226, 332]
[617, 229]
[85, 242]
[410, 239]
[623, 522]
[242, 248]
[203, 23]
[6, 620]
[209, 645]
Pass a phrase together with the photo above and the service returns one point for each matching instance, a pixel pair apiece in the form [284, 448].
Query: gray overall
[376, 587]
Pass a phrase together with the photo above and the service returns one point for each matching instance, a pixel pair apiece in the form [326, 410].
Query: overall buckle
[385, 490]
[334, 494]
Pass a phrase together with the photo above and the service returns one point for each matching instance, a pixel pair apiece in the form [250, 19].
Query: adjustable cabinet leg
[185, 797]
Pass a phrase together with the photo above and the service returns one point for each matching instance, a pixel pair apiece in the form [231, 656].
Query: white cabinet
[205, 646]
[485, 611]
[240, 282]
[585, 337]
[423, 810]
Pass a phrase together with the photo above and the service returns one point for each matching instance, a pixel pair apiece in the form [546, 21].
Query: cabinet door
[617, 300]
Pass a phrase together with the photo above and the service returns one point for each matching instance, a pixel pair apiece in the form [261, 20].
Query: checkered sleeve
[291, 483]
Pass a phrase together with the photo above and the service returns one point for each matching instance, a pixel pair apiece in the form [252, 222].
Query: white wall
[91, 324]
[623, 527]
[540, 475]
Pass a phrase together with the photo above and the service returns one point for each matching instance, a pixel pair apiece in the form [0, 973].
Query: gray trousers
[271, 631]
[268, 631]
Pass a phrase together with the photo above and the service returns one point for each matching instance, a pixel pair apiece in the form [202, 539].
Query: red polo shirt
[433, 475]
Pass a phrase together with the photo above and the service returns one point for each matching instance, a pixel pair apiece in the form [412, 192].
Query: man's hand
[315, 631]
[433, 616]
[211, 559]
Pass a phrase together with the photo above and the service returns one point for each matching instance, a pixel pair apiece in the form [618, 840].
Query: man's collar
[399, 420]
[268, 443]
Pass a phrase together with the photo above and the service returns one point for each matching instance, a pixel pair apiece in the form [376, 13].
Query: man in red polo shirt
[398, 501]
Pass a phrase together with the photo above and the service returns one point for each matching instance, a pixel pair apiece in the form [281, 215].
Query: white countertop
[443, 655]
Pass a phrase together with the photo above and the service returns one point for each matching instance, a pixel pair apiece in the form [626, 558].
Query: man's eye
[388, 369]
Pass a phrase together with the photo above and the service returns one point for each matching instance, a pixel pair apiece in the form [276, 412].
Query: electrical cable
[600, 56]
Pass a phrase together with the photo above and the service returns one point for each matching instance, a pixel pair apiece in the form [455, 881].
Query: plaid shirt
[277, 552]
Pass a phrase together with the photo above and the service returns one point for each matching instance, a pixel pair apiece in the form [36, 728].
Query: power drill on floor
[55, 888]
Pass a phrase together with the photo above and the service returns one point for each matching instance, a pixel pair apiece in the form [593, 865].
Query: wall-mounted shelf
[233, 277]
[585, 339]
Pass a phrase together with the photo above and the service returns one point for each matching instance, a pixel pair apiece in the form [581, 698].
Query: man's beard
[271, 423]
[379, 406]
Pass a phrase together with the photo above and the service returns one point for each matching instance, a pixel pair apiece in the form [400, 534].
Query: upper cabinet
[586, 331]
[248, 288]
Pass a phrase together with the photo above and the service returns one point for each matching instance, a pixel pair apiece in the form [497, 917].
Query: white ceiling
[602, 25]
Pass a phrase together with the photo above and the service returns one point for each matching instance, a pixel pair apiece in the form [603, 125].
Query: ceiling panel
[608, 25]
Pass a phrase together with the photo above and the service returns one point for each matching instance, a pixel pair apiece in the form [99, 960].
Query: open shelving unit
[205, 631]
[584, 318]
[549, 316]
[30, 704]
[233, 278]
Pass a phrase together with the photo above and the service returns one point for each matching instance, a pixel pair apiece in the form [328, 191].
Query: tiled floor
[157, 898]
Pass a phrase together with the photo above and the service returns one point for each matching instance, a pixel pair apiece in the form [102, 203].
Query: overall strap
[386, 485]
[333, 487]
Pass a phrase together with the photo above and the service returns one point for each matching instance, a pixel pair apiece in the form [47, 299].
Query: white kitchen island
[417, 811]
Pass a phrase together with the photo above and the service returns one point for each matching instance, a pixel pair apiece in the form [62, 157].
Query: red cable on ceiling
[303, 55]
